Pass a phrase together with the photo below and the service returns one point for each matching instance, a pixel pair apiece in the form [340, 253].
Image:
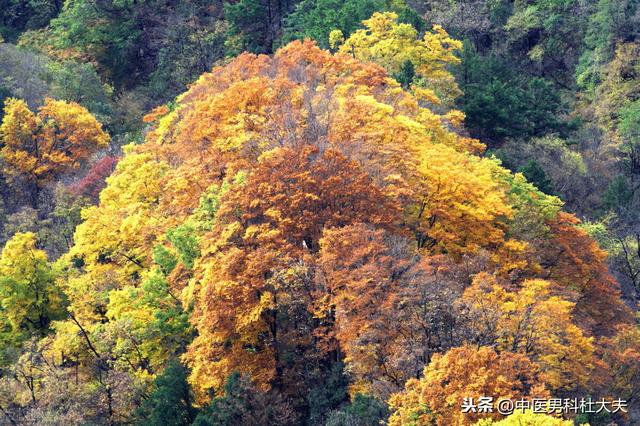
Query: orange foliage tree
[573, 259]
[258, 255]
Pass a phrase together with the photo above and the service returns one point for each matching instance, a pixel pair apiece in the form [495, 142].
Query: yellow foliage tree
[535, 322]
[464, 372]
[394, 45]
[29, 296]
[42, 146]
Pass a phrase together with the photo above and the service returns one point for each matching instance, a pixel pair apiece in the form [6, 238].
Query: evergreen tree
[170, 403]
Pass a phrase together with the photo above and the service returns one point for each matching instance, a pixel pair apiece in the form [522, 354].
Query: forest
[320, 212]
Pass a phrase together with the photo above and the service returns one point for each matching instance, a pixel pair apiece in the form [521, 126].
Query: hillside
[322, 212]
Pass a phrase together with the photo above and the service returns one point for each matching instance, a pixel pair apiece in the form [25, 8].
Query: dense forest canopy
[319, 212]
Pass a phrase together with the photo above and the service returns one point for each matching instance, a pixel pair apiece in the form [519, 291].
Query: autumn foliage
[295, 214]
[465, 372]
[94, 181]
[41, 146]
